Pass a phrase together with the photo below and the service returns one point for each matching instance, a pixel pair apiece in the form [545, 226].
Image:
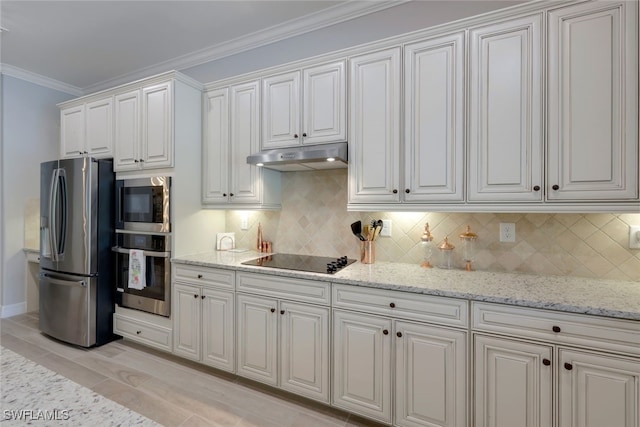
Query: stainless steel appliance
[303, 158]
[142, 204]
[309, 263]
[76, 263]
[155, 296]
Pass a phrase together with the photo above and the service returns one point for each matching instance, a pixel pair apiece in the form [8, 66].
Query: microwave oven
[142, 204]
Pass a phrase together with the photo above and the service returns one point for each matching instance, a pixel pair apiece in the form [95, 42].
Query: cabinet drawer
[426, 308]
[564, 328]
[313, 291]
[142, 332]
[217, 277]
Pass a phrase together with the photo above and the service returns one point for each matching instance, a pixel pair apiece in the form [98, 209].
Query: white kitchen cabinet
[434, 120]
[594, 363]
[282, 342]
[144, 128]
[592, 115]
[144, 328]
[505, 111]
[203, 316]
[87, 129]
[374, 127]
[304, 106]
[374, 338]
[513, 383]
[231, 133]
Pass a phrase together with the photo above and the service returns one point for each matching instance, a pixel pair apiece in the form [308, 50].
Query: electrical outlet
[507, 232]
[634, 237]
[387, 224]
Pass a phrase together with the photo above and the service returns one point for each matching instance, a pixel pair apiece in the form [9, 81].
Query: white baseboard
[13, 309]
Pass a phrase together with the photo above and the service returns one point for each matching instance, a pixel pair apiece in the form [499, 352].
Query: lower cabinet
[516, 376]
[379, 360]
[144, 328]
[203, 317]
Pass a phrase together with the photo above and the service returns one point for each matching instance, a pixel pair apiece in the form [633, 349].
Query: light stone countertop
[609, 298]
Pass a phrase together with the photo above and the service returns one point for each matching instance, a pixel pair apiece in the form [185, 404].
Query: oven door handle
[121, 250]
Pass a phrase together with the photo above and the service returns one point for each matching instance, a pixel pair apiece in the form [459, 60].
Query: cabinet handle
[556, 187]
[138, 332]
[295, 135]
[273, 310]
[556, 329]
[202, 297]
[304, 134]
[568, 366]
[386, 332]
[407, 191]
[195, 295]
[281, 311]
[546, 362]
[199, 276]
[395, 191]
[392, 305]
[135, 160]
[231, 194]
[141, 160]
[224, 194]
[536, 188]
[399, 334]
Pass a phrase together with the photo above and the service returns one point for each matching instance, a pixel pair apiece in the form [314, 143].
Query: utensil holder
[368, 252]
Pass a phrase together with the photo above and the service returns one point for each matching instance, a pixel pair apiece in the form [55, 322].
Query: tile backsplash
[314, 220]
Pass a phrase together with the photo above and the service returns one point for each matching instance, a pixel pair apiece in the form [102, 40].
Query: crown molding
[39, 80]
[295, 27]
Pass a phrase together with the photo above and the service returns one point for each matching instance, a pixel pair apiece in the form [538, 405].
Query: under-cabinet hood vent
[303, 158]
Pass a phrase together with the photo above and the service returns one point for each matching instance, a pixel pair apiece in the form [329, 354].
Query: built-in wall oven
[143, 244]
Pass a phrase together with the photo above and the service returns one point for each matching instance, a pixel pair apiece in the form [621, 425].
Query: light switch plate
[634, 237]
[387, 225]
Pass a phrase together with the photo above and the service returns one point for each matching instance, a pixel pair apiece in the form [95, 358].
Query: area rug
[35, 395]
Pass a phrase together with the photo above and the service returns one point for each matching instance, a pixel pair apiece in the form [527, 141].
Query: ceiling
[87, 44]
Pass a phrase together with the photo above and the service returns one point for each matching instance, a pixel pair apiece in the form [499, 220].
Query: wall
[30, 134]
[314, 220]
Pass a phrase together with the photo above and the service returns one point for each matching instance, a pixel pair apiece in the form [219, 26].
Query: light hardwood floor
[165, 388]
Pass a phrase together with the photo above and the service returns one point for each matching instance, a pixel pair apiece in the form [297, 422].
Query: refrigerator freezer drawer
[68, 308]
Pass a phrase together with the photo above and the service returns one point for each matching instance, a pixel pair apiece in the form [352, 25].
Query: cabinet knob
[304, 134]
[281, 311]
[135, 160]
[556, 329]
[386, 332]
[295, 135]
[199, 276]
[141, 160]
[224, 194]
[273, 310]
[546, 362]
[392, 305]
[399, 334]
[138, 332]
[202, 296]
[395, 191]
[568, 366]
[556, 187]
[231, 194]
[407, 191]
[536, 188]
[195, 295]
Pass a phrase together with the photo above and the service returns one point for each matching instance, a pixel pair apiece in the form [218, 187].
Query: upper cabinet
[305, 106]
[87, 129]
[231, 133]
[505, 111]
[144, 121]
[593, 102]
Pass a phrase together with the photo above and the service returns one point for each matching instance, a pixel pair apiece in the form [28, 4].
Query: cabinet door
[324, 109]
[215, 148]
[374, 127]
[362, 364]
[593, 102]
[100, 128]
[72, 132]
[186, 320]
[505, 96]
[257, 338]
[281, 110]
[598, 390]
[157, 126]
[304, 343]
[513, 383]
[217, 329]
[434, 115]
[127, 131]
[431, 376]
[245, 139]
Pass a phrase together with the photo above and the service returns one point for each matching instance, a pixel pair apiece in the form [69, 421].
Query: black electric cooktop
[309, 263]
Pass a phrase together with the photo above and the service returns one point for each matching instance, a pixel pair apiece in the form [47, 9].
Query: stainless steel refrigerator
[76, 262]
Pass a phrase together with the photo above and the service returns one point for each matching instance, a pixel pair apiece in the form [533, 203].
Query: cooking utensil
[356, 228]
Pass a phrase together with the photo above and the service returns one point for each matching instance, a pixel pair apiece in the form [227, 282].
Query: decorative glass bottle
[427, 246]
[468, 247]
[446, 254]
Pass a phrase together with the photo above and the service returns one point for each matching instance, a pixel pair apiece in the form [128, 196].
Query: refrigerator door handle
[64, 282]
[53, 202]
[64, 210]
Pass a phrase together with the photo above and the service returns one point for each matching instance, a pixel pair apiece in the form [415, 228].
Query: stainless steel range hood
[303, 158]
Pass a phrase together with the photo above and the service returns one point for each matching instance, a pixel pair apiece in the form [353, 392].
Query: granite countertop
[610, 298]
